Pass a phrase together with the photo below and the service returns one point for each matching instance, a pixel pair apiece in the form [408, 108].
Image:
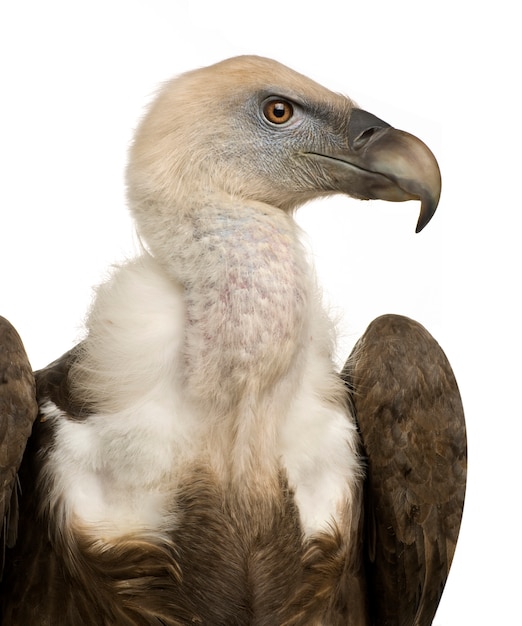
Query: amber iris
[278, 111]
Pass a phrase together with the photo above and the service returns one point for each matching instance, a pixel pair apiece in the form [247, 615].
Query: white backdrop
[74, 80]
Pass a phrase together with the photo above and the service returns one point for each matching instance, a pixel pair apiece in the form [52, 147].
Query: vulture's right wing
[18, 410]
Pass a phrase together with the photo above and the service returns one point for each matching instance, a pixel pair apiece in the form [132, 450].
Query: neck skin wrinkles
[247, 295]
[247, 288]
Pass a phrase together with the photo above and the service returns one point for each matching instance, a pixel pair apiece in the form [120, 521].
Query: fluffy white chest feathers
[226, 365]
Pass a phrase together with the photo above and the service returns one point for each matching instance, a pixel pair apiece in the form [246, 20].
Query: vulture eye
[278, 111]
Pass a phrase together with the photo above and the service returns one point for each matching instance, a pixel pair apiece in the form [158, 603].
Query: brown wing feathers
[18, 411]
[412, 427]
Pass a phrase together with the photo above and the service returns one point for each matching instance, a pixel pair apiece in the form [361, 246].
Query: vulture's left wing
[411, 422]
[18, 410]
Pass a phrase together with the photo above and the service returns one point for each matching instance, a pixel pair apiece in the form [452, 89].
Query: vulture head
[251, 129]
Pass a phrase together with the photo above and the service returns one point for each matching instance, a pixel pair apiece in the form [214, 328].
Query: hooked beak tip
[429, 205]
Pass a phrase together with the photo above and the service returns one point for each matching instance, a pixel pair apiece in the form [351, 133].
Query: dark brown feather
[412, 426]
[53, 383]
[18, 411]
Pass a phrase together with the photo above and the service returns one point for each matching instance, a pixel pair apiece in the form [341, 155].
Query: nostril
[366, 135]
[362, 126]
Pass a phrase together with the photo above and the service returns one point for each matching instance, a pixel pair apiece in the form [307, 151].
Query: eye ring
[278, 111]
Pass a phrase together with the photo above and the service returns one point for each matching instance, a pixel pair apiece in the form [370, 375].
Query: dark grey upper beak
[387, 164]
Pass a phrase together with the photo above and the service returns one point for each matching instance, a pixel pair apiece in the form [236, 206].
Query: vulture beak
[387, 164]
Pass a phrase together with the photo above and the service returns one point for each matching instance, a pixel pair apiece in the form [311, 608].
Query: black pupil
[279, 109]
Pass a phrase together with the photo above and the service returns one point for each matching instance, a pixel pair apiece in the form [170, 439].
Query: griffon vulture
[197, 459]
